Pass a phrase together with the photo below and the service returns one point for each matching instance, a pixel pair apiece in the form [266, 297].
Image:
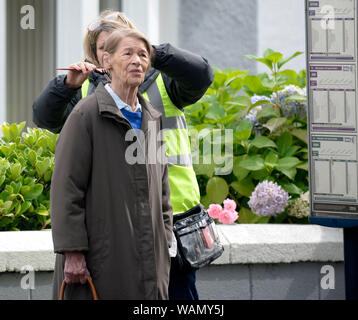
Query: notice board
[331, 52]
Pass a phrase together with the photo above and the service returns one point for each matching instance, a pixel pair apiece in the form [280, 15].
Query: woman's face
[103, 36]
[130, 61]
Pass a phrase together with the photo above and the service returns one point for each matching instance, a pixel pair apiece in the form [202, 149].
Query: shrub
[266, 113]
[26, 165]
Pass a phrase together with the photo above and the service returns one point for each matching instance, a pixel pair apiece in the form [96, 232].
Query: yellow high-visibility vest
[184, 188]
[84, 88]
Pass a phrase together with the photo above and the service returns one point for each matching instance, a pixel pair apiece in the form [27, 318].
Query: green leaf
[48, 175]
[262, 142]
[252, 163]
[291, 151]
[253, 83]
[268, 52]
[15, 171]
[285, 60]
[260, 174]
[216, 112]
[291, 188]
[239, 172]
[41, 142]
[42, 166]
[301, 79]
[204, 169]
[275, 57]
[265, 61]
[300, 134]
[240, 101]
[274, 123]
[14, 131]
[217, 190]
[271, 159]
[5, 207]
[267, 112]
[246, 216]
[287, 163]
[235, 83]
[29, 181]
[262, 102]
[244, 187]
[205, 201]
[7, 150]
[32, 192]
[5, 128]
[243, 130]
[303, 166]
[283, 143]
[2, 179]
[290, 173]
[219, 80]
[24, 207]
[42, 212]
[32, 157]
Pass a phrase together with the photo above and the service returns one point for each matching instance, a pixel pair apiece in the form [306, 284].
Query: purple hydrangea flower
[256, 98]
[290, 109]
[268, 199]
[251, 116]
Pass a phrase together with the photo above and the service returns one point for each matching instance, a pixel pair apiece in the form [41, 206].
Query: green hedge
[26, 166]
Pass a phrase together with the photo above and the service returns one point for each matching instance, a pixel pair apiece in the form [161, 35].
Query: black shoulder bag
[197, 238]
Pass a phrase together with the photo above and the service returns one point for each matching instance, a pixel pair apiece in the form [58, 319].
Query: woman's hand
[75, 268]
[76, 77]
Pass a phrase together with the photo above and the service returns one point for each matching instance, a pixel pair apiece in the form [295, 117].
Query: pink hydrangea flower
[228, 217]
[215, 211]
[229, 205]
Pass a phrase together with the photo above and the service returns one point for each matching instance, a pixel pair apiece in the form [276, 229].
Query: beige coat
[118, 214]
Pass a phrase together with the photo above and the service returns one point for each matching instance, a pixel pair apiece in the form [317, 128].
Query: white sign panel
[334, 161]
[331, 28]
[332, 96]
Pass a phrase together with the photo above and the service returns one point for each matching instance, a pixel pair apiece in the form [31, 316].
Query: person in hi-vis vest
[177, 79]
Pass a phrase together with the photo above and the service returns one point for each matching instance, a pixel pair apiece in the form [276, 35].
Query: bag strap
[90, 283]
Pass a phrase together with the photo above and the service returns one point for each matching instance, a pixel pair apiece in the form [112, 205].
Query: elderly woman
[112, 220]
[181, 77]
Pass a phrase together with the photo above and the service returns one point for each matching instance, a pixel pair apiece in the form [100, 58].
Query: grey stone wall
[291, 281]
[224, 282]
[10, 286]
[219, 30]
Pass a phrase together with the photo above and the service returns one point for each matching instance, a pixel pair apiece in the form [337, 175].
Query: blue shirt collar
[120, 103]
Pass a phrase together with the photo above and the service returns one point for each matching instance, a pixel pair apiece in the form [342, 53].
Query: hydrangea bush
[267, 115]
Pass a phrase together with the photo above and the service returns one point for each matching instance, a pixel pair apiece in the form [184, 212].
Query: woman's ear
[106, 61]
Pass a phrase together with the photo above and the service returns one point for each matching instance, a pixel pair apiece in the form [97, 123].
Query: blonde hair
[117, 36]
[108, 21]
[117, 16]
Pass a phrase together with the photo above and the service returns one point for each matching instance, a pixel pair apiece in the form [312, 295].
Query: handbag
[90, 283]
[197, 238]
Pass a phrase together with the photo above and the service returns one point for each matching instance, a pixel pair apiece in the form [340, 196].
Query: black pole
[351, 262]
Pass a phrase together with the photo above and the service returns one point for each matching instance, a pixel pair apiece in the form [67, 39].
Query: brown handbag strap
[90, 283]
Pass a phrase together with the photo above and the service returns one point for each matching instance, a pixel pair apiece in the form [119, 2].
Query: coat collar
[107, 107]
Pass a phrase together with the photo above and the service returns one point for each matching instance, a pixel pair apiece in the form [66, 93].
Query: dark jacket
[186, 76]
[118, 214]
